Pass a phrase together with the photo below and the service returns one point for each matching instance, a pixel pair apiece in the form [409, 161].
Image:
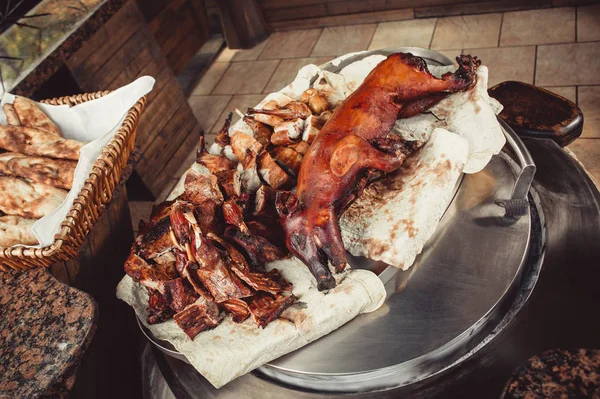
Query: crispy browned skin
[265, 308]
[348, 145]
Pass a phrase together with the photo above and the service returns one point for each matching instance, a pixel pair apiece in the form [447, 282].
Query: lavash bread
[28, 199]
[39, 164]
[31, 141]
[231, 349]
[470, 114]
[16, 230]
[54, 172]
[11, 115]
[5, 158]
[394, 217]
[31, 115]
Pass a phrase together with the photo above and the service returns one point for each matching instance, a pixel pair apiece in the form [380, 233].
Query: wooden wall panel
[179, 23]
[104, 44]
[167, 103]
[303, 14]
[119, 61]
[172, 166]
[161, 167]
[286, 14]
[112, 359]
[125, 49]
[480, 7]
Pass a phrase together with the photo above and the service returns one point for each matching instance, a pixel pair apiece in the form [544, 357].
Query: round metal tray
[456, 293]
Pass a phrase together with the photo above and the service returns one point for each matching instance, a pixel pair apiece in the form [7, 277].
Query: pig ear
[286, 203]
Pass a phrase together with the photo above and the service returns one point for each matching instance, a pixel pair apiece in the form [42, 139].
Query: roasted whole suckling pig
[355, 141]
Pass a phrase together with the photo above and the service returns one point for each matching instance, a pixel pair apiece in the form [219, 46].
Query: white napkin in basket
[94, 122]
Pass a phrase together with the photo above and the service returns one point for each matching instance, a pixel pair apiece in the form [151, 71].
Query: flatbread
[394, 217]
[55, 172]
[32, 141]
[5, 157]
[471, 114]
[28, 199]
[31, 115]
[16, 230]
[231, 349]
[11, 115]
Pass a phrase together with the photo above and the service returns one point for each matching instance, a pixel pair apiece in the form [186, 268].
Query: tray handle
[518, 203]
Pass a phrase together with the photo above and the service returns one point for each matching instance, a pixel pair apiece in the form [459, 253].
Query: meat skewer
[349, 144]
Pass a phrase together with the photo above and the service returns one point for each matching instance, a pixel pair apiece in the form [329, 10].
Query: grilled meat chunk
[200, 316]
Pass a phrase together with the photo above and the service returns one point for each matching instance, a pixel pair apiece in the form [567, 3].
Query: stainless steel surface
[163, 346]
[154, 384]
[436, 312]
[432, 57]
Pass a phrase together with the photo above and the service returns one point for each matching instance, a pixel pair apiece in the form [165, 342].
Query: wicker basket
[89, 204]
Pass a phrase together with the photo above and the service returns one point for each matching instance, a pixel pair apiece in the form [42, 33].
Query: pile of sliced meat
[202, 255]
[269, 151]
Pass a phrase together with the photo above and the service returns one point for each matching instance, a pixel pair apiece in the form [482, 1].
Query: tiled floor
[557, 48]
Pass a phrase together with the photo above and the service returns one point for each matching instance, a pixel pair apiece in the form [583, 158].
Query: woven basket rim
[90, 184]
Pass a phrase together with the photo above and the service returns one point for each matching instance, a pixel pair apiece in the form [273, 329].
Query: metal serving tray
[437, 312]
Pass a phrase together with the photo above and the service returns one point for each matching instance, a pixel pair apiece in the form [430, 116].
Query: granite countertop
[557, 374]
[39, 53]
[45, 328]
